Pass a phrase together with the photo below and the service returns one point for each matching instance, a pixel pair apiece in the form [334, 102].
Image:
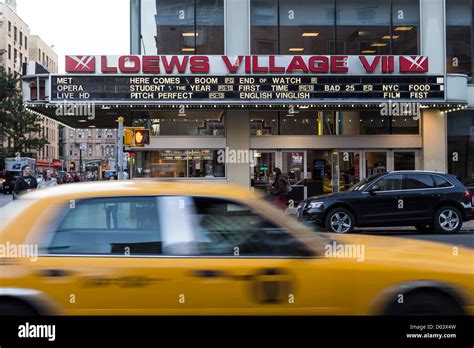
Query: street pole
[80, 160]
[120, 148]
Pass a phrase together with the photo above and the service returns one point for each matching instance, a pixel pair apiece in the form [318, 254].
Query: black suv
[9, 181]
[426, 200]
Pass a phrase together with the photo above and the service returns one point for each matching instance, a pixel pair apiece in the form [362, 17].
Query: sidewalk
[467, 226]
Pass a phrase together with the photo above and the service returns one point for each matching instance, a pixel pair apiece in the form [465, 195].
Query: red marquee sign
[228, 65]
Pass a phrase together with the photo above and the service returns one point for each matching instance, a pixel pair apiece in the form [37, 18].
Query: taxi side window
[108, 226]
[225, 228]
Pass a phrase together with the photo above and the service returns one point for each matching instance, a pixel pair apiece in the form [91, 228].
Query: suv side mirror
[373, 189]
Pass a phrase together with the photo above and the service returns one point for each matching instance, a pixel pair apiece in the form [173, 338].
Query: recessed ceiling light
[387, 37]
[378, 45]
[91, 126]
[190, 34]
[310, 34]
[188, 49]
[296, 49]
[369, 51]
[82, 121]
[403, 28]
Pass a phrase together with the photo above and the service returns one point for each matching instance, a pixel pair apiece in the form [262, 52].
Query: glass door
[405, 160]
[294, 167]
[349, 169]
[375, 162]
[262, 173]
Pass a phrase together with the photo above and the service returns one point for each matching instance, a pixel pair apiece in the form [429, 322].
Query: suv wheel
[448, 220]
[340, 220]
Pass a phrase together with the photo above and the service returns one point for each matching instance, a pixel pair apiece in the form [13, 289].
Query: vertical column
[237, 34]
[435, 141]
[238, 138]
[433, 34]
[237, 27]
[433, 45]
[135, 29]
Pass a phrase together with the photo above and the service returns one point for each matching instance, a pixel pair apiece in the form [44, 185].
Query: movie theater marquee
[246, 78]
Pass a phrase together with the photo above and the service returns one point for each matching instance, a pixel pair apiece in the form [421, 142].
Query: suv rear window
[441, 182]
[418, 181]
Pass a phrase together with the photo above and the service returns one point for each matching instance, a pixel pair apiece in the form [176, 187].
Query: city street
[465, 237]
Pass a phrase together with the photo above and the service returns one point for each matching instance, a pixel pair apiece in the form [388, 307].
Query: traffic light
[141, 137]
[127, 137]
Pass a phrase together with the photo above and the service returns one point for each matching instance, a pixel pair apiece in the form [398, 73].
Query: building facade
[329, 91]
[19, 48]
[48, 156]
[87, 147]
[14, 39]
[314, 143]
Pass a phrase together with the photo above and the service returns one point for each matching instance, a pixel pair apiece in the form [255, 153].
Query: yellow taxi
[190, 248]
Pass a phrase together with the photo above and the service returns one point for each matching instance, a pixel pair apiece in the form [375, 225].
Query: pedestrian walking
[25, 183]
[281, 187]
[48, 180]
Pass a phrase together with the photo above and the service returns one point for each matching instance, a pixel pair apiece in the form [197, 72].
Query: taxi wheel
[425, 302]
[16, 308]
[340, 220]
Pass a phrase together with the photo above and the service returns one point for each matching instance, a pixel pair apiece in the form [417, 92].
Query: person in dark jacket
[280, 189]
[26, 182]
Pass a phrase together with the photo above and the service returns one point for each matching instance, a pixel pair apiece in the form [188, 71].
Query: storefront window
[180, 164]
[349, 27]
[264, 123]
[209, 27]
[191, 122]
[404, 160]
[405, 27]
[264, 22]
[361, 26]
[299, 122]
[183, 27]
[375, 163]
[332, 123]
[319, 167]
[263, 171]
[349, 169]
[372, 123]
[459, 36]
[307, 27]
[461, 145]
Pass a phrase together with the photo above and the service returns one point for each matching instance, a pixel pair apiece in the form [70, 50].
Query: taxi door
[234, 261]
[104, 256]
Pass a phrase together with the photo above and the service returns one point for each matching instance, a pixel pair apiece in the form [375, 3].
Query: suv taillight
[468, 195]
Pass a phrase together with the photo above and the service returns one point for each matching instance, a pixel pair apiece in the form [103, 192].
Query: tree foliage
[21, 127]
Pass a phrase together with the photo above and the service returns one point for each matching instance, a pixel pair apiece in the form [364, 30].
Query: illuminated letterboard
[211, 89]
